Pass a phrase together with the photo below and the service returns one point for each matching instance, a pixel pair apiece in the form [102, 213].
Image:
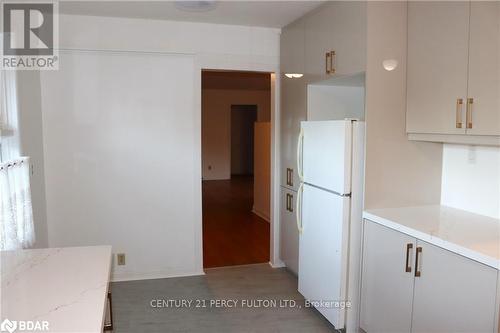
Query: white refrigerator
[329, 208]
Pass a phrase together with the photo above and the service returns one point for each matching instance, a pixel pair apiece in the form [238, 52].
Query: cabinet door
[387, 289]
[338, 26]
[289, 235]
[453, 293]
[438, 46]
[292, 112]
[292, 55]
[484, 68]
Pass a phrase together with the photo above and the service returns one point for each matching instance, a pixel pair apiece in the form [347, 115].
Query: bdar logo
[8, 326]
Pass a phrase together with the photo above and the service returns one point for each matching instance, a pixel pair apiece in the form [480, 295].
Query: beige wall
[262, 170]
[398, 172]
[216, 126]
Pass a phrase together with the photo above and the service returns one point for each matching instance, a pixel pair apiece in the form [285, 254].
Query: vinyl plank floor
[133, 312]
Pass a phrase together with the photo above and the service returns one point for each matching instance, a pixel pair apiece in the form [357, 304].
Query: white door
[326, 154]
[387, 287]
[453, 293]
[484, 68]
[323, 251]
[289, 241]
[438, 44]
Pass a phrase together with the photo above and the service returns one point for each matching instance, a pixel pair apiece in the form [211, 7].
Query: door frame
[274, 257]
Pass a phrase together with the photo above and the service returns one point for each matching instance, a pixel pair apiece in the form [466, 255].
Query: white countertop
[67, 287]
[474, 236]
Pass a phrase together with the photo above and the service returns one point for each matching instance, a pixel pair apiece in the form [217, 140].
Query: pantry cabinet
[409, 285]
[289, 234]
[453, 72]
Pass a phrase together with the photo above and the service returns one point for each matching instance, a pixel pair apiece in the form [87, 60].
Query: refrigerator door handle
[299, 155]
[298, 208]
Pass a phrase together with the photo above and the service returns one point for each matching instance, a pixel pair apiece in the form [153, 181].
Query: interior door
[289, 241]
[484, 68]
[387, 287]
[326, 154]
[438, 44]
[323, 250]
[453, 293]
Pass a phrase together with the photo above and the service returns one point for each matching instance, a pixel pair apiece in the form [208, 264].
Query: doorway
[236, 167]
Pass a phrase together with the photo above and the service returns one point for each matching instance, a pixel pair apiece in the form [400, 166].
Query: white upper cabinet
[437, 66]
[484, 68]
[453, 72]
[339, 27]
[292, 46]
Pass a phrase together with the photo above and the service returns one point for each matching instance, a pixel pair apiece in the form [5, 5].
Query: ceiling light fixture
[294, 75]
[196, 6]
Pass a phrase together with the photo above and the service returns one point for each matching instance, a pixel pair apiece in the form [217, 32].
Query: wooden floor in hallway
[232, 234]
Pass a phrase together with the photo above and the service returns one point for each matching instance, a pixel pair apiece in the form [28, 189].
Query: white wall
[471, 179]
[398, 172]
[335, 102]
[216, 126]
[213, 47]
[216, 46]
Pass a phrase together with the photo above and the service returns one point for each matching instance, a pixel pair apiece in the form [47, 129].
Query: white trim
[152, 276]
[279, 264]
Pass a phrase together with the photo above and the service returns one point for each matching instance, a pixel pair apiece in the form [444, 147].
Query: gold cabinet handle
[332, 61]
[291, 203]
[409, 246]
[417, 270]
[288, 202]
[470, 101]
[328, 62]
[458, 116]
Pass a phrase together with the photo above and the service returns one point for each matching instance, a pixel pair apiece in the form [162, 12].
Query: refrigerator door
[325, 152]
[323, 251]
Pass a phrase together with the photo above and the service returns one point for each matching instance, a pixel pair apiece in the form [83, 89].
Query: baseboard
[279, 264]
[152, 275]
[261, 215]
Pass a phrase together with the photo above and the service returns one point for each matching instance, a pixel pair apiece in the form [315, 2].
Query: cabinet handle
[288, 202]
[470, 101]
[332, 61]
[458, 115]
[417, 271]
[291, 203]
[289, 176]
[327, 62]
[409, 246]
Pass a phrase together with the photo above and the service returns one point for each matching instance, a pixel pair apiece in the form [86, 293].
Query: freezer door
[326, 154]
[323, 252]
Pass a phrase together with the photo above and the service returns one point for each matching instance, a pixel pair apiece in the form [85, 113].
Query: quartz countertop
[471, 235]
[66, 287]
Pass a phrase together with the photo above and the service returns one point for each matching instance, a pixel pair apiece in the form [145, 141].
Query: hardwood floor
[232, 234]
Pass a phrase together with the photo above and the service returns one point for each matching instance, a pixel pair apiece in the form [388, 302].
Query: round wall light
[390, 64]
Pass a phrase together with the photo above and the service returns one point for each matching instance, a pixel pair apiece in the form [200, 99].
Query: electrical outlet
[120, 258]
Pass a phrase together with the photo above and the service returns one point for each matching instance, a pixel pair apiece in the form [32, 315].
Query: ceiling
[273, 14]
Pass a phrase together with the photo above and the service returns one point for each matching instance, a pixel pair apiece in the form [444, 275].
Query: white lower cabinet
[412, 286]
[289, 240]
